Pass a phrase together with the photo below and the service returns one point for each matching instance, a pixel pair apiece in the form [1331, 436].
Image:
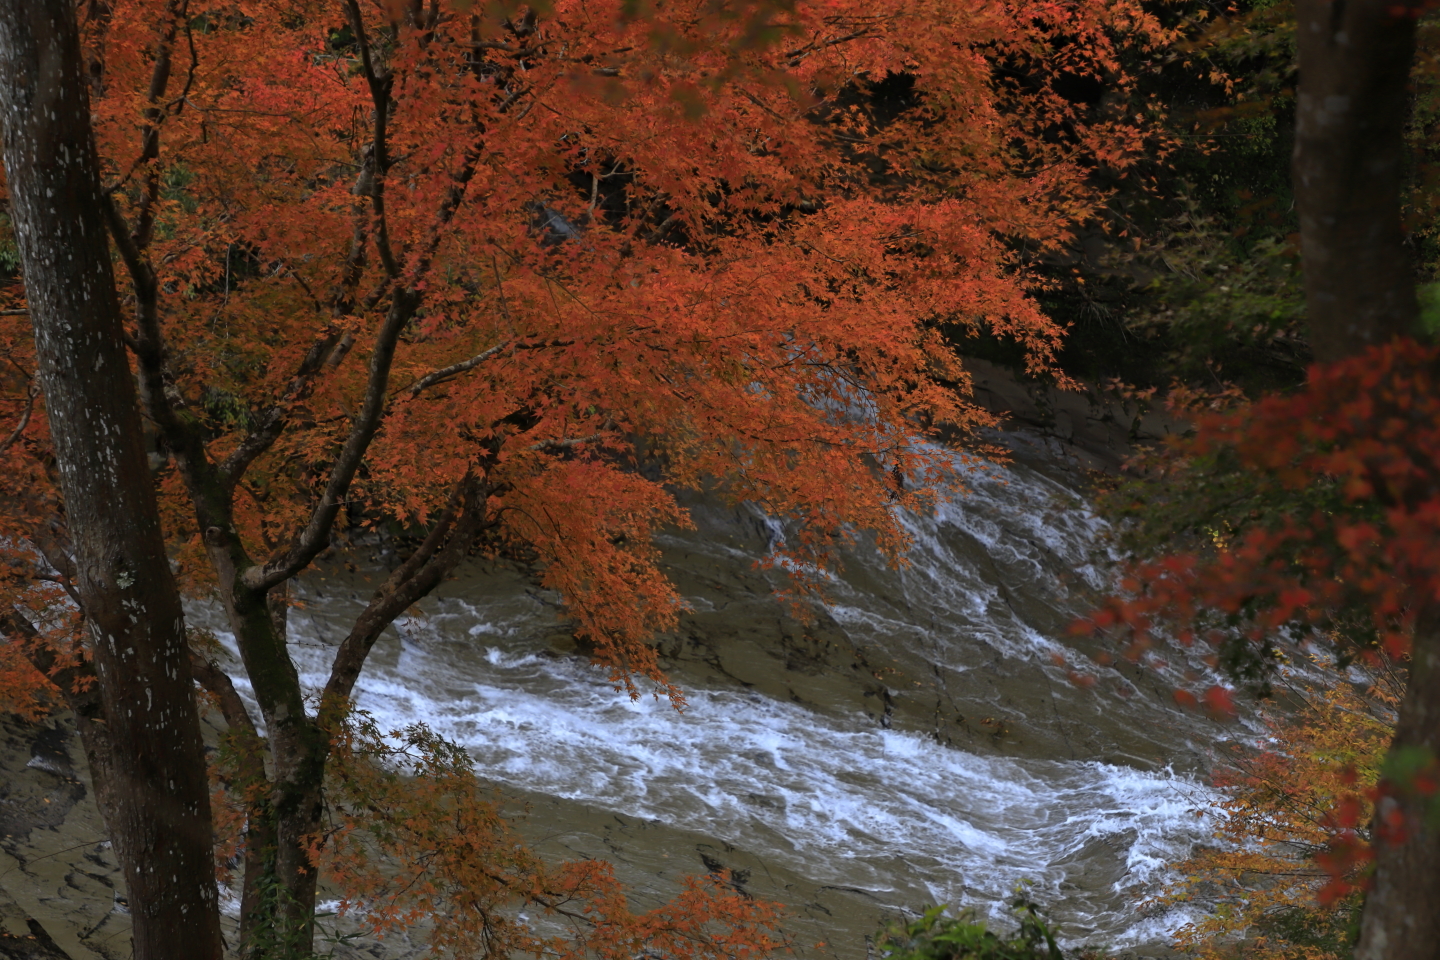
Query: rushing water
[917, 742]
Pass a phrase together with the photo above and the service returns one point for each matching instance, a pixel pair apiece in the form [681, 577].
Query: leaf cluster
[1271, 878]
[1294, 513]
[934, 935]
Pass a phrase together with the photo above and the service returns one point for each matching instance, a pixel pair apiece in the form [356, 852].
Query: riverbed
[918, 739]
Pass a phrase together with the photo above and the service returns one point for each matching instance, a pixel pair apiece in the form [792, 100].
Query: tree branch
[217, 682]
[154, 117]
[800, 53]
[274, 420]
[316, 533]
[454, 370]
[30, 395]
[449, 540]
[373, 186]
[405, 300]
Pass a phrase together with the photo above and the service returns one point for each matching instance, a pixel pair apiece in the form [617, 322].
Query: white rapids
[1092, 801]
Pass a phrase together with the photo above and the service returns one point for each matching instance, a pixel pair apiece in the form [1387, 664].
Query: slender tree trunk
[157, 798]
[300, 755]
[1355, 58]
[281, 884]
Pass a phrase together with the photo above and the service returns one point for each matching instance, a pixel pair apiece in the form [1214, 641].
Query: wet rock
[57, 875]
[1066, 432]
[32, 944]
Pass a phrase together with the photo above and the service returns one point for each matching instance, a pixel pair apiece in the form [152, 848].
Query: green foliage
[1194, 272]
[1429, 296]
[935, 936]
[1214, 295]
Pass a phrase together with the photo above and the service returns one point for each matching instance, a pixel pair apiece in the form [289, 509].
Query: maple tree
[1288, 806]
[1321, 514]
[455, 270]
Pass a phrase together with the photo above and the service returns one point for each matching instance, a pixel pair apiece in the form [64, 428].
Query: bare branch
[455, 369]
[30, 396]
[232, 708]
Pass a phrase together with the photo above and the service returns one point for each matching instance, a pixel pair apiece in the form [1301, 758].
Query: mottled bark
[156, 796]
[1355, 58]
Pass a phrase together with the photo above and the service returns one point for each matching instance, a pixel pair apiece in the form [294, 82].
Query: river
[918, 741]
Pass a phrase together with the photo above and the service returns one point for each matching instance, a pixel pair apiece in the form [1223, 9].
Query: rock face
[1067, 430]
[60, 888]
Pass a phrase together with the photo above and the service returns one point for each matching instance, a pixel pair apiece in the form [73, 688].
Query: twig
[30, 396]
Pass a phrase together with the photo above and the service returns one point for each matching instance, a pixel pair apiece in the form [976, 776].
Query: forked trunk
[298, 805]
[278, 902]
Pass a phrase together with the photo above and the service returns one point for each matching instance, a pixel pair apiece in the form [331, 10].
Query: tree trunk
[281, 884]
[1402, 910]
[1355, 58]
[158, 805]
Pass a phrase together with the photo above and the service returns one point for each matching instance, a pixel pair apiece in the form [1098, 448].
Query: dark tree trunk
[1402, 910]
[1355, 58]
[156, 797]
[281, 884]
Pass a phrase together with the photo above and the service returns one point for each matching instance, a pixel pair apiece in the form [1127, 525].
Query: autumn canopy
[491, 277]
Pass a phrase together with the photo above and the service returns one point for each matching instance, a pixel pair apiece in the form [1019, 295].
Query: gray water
[916, 742]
